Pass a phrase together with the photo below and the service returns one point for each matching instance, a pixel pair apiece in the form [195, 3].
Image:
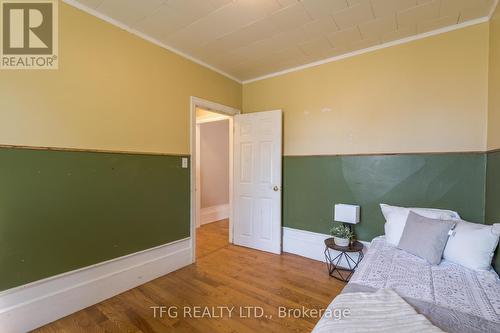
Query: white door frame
[196, 102]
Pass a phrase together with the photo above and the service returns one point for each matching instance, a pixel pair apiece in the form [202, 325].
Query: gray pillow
[425, 237]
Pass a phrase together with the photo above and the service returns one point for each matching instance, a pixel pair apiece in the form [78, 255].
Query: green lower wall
[313, 184]
[61, 210]
[493, 189]
[493, 195]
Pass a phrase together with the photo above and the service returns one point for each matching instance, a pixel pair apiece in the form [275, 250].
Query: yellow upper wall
[113, 91]
[494, 86]
[429, 95]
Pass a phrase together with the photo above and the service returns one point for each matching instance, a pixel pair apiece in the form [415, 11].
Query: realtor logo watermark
[29, 34]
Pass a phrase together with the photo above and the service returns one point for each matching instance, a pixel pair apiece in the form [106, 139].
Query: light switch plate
[184, 162]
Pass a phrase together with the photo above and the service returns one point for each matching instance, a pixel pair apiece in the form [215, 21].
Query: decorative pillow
[396, 217]
[472, 245]
[425, 237]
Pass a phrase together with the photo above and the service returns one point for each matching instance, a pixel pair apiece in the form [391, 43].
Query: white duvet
[382, 311]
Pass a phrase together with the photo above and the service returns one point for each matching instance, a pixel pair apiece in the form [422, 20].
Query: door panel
[257, 180]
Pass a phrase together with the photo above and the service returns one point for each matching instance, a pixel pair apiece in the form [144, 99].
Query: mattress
[452, 297]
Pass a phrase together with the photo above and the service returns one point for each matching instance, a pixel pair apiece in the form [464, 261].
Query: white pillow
[472, 245]
[396, 217]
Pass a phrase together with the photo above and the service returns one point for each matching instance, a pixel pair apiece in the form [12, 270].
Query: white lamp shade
[346, 213]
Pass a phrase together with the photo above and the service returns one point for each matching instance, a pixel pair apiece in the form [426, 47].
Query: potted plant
[341, 235]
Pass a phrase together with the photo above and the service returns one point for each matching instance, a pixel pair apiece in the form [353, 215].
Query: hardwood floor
[224, 275]
[212, 237]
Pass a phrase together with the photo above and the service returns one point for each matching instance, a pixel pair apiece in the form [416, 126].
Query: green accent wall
[312, 184]
[493, 196]
[493, 189]
[62, 210]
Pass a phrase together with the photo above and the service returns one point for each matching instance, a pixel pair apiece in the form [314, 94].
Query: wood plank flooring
[224, 275]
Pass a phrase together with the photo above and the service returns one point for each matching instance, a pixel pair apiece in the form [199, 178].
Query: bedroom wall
[493, 195]
[429, 95]
[62, 210]
[401, 125]
[494, 83]
[493, 173]
[314, 183]
[105, 95]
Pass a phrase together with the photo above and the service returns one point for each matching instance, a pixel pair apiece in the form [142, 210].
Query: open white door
[257, 181]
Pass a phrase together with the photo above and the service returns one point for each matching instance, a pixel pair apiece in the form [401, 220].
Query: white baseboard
[33, 305]
[308, 244]
[214, 213]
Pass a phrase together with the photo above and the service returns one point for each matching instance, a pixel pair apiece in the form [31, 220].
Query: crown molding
[492, 11]
[371, 49]
[139, 34]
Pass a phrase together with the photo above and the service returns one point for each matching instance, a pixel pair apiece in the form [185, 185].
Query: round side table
[345, 256]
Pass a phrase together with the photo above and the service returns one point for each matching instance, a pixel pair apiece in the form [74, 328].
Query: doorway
[255, 175]
[211, 170]
[212, 181]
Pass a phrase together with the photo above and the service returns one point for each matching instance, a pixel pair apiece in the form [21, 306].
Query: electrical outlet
[184, 162]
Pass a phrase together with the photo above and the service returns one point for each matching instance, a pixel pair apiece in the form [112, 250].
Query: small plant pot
[341, 241]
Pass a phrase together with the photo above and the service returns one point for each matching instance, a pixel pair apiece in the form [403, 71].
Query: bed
[453, 298]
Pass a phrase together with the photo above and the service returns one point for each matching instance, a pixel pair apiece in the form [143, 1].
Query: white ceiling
[252, 38]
